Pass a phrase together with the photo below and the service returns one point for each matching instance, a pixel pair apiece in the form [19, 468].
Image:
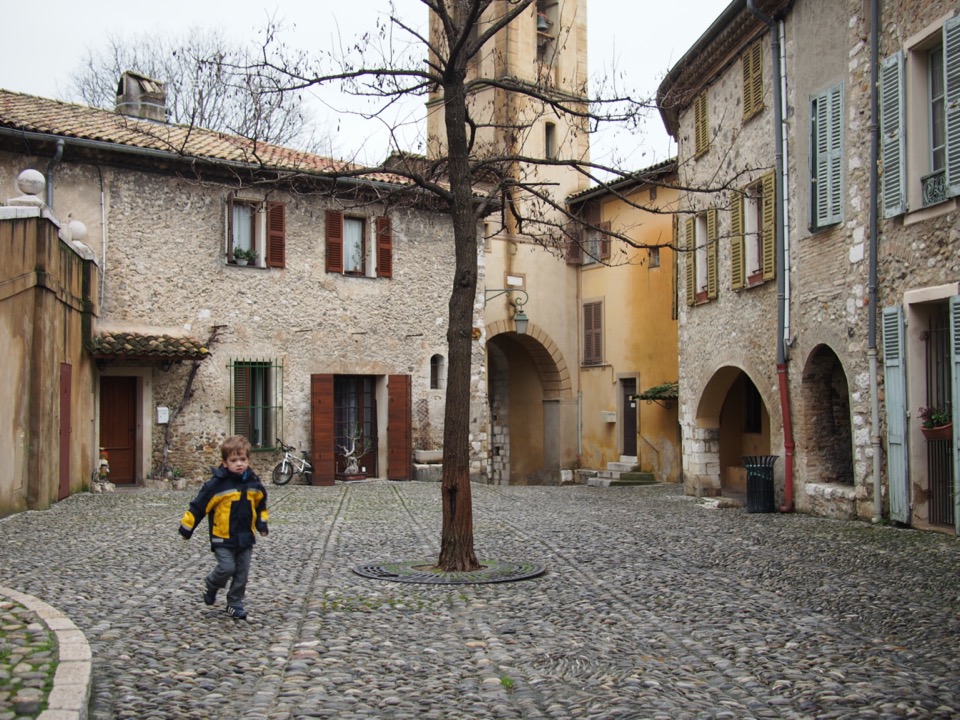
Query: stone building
[793, 257]
[245, 288]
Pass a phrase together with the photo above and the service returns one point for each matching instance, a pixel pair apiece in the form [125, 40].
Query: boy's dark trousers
[231, 563]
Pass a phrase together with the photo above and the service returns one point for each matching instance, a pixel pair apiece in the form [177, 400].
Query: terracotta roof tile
[41, 115]
[128, 345]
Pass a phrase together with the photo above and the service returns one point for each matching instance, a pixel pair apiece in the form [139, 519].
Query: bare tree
[477, 167]
[205, 85]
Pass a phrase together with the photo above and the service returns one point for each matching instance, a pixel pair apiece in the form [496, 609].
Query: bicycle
[291, 465]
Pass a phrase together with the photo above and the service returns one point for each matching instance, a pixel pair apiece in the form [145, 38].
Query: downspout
[783, 379]
[54, 161]
[872, 307]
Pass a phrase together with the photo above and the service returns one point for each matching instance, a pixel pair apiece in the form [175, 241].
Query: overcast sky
[44, 43]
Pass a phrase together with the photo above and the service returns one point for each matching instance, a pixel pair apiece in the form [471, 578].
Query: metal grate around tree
[425, 572]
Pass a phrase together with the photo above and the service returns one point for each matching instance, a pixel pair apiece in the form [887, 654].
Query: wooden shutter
[701, 129]
[955, 367]
[399, 428]
[892, 140]
[828, 195]
[574, 252]
[322, 443]
[768, 229]
[604, 241]
[334, 235]
[592, 333]
[384, 247]
[690, 247]
[712, 281]
[276, 234]
[738, 270]
[752, 66]
[895, 393]
[951, 98]
[242, 394]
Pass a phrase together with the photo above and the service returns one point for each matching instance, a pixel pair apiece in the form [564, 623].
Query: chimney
[141, 97]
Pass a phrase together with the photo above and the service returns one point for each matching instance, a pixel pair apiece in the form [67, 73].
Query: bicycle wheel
[282, 473]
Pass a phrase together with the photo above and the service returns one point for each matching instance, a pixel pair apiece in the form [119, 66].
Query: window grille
[256, 401]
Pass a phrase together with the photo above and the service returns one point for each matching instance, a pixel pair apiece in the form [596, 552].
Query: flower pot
[241, 262]
[943, 432]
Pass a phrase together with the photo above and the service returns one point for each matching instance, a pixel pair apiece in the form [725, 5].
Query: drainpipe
[783, 379]
[872, 310]
[54, 161]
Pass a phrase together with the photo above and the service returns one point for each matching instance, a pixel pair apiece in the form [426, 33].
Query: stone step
[635, 478]
[621, 467]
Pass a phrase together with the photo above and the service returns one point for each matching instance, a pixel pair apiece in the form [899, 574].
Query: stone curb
[70, 695]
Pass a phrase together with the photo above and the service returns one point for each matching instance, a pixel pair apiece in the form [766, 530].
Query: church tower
[537, 60]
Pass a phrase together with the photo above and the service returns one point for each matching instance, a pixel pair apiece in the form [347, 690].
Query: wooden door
[118, 426]
[629, 417]
[322, 451]
[66, 420]
[399, 428]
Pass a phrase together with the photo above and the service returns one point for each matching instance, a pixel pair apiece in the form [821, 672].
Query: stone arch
[826, 433]
[530, 392]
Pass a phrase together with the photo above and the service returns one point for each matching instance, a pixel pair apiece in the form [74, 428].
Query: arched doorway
[532, 419]
[827, 439]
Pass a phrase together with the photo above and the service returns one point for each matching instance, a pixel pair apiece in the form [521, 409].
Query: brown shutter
[592, 333]
[323, 452]
[384, 247]
[574, 252]
[241, 399]
[399, 428]
[276, 234]
[334, 228]
[604, 241]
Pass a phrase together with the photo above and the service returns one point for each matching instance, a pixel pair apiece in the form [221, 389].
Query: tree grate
[423, 571]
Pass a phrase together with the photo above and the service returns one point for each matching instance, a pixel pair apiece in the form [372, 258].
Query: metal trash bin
[760, 482]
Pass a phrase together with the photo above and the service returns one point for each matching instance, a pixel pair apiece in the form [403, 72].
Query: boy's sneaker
[210, 596]
[237, 612]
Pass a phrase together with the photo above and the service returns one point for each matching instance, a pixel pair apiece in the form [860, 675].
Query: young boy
[235, 503]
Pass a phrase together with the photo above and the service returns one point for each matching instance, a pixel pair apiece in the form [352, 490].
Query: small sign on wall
[163, 415]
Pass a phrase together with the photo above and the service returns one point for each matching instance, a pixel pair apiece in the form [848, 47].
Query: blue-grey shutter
[892, 140]
[895, 391]
[951, 86]
[829, 170]
[955, 365]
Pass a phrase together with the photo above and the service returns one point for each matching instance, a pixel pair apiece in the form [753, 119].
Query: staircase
[621, 473]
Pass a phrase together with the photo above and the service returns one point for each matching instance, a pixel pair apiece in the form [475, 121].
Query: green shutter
[955, 367]
[895, 393]
[690, 256]
[768, 230]
[752, 67]
[951, 69]
[892, 140]
[829, 156]
[701, 130]
[737, 269]
[712, 282]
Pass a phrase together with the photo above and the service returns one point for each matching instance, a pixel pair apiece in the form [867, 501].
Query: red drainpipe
[788, 444]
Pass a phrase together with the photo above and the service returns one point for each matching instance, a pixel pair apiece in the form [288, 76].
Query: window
[701, 128]
[593, 333]
[550, 141]
[753, 234]
[348, 249]
[596, 244]
[257, 230]
[920, 122]
[826, 162]
[437, 372]
[653, 257]
[701, 256]
[256, 395]
[752, 66]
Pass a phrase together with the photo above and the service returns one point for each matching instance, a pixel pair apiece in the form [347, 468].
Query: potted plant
[244, 256]
[936, 423]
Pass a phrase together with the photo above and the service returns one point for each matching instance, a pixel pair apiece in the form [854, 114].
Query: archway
[827, 438]
[527, 386]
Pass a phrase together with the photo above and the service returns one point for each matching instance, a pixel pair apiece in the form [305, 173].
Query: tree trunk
[456, 542]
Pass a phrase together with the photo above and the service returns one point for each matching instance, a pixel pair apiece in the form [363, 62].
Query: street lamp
[520, 318]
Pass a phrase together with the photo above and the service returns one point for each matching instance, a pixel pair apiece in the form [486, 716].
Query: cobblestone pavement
[653, 606]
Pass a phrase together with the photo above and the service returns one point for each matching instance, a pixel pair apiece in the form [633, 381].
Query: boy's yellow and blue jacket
[235, 506]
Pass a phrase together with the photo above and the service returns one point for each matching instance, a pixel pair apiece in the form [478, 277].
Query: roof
[110, 130]
[136, 346]
[652, 173]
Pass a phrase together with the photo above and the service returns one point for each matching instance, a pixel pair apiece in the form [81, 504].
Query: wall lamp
[520, 318]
